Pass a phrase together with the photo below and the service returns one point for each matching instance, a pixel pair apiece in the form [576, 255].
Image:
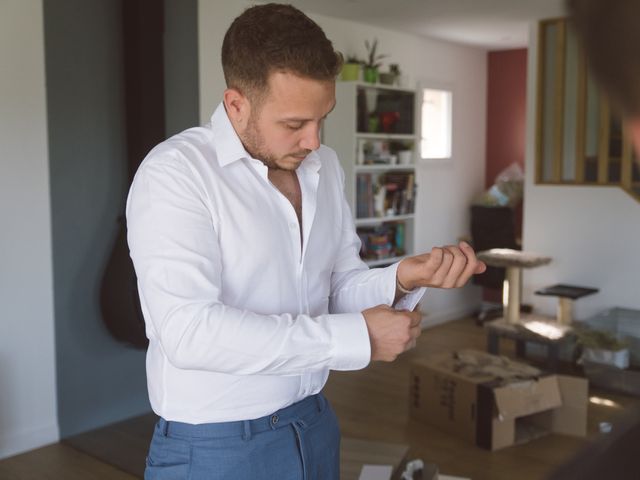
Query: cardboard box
[495, 402]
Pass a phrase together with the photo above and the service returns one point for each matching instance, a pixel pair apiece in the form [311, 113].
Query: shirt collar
[312, 163]
[229, 148]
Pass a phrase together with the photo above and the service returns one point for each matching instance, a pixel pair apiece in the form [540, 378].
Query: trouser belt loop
[247, 430]
[321, 402]
[165, 427]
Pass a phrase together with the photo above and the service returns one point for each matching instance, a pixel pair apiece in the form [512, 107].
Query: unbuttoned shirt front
[242, 318]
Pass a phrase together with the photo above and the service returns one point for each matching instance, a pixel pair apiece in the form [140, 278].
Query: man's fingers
[416, 331]
[416, 318]
[450, 266]
[435, 259]
[472, 267]
[441, 272]
[457, 266]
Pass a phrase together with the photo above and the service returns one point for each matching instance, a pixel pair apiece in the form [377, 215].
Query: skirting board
[13, 443]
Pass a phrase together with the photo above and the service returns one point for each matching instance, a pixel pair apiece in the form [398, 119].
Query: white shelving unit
[369, 126]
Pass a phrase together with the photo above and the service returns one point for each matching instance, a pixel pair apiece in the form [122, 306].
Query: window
[435, 142]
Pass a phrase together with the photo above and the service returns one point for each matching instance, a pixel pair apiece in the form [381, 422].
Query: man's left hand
[450, 266]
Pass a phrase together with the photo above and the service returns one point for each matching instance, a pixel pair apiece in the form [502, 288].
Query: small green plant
[394, 68]
[373, 57]
[599, 340]
[353, 59]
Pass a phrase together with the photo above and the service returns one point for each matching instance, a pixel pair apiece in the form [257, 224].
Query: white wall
[445, 190]
[214, 17]
[27, 361]
[591, 232]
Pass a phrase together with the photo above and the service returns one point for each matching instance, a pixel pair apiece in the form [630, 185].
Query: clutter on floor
[367, 459]
[531, 328]
[610, 344]
[495, 402]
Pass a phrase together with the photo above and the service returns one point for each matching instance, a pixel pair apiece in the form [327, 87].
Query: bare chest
[287, 183]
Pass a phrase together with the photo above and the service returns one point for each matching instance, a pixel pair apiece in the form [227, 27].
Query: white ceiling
[489, 24]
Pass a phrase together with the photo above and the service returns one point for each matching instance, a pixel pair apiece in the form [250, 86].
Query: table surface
[506, 257]
[567, 291]
[533, 327]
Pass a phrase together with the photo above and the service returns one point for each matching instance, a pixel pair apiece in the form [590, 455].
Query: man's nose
[311, 138]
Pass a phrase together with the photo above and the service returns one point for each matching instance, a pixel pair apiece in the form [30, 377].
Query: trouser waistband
[302, 412]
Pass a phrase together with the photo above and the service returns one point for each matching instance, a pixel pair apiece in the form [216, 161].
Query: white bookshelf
[348, 131]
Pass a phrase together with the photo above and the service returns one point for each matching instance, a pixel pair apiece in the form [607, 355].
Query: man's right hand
[391, 332]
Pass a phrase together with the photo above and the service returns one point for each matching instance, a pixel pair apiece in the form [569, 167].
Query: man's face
[285, 127]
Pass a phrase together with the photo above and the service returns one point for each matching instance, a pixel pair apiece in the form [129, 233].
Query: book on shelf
[381, 152]
[382, 241]
[364, 195]
[385, 194]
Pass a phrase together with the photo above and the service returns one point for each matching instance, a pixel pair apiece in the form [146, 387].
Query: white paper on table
[376, 472]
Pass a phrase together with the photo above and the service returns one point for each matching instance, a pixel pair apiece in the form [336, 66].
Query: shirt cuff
[408, 301]
[350, 339]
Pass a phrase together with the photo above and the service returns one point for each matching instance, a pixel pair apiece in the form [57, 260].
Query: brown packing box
[495, 402]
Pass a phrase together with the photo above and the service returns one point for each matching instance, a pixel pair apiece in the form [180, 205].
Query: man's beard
[254, 143]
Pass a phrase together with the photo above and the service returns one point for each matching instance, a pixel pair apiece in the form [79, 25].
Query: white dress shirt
[242, 320]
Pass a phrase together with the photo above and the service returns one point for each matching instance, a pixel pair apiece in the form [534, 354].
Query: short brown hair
[271, 37]
[610, 33]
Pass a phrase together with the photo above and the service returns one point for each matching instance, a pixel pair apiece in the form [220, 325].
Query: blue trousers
[300, 442]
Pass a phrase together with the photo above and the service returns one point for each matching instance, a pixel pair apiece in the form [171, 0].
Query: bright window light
[436, 124]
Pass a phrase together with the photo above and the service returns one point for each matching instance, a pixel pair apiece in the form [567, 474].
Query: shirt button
[274, 419]
[292, 226]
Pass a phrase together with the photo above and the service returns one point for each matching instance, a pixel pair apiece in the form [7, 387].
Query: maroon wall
[506, 114]
[506, 110]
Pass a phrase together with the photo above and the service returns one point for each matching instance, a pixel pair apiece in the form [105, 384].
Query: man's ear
[633, 125]
[238, 108]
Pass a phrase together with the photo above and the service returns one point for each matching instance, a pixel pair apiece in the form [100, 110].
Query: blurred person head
[609, 31]
[610, 34]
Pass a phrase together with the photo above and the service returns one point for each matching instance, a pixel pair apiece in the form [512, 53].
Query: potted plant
[390, 77]
[394, 68]
[372, 63]
[351, 68]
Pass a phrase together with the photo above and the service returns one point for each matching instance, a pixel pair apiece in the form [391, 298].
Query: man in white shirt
[249, 276]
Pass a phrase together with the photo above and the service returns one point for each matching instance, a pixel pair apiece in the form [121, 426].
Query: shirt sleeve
[176, 255]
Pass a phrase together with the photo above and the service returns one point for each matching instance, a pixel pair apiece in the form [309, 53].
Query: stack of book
[398, 189]
[382, 241]
[364, 195]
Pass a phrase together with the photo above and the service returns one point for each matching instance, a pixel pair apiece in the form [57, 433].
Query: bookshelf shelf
[373, 131]
[388, 218]
[384, 168]
[385, 136]
[377, 86]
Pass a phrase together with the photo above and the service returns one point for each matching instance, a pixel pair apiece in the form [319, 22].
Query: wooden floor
[371, 404]
[59, 462]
